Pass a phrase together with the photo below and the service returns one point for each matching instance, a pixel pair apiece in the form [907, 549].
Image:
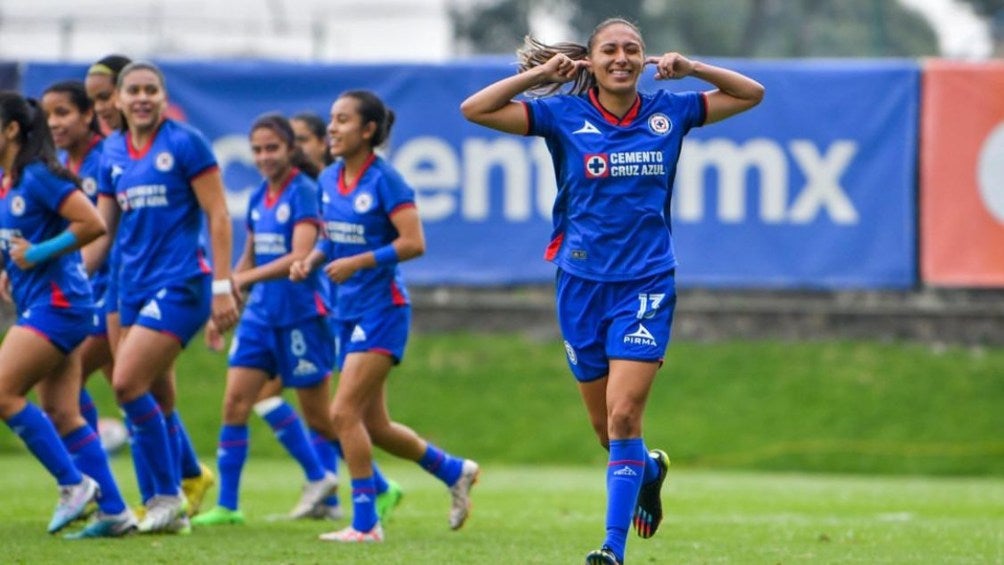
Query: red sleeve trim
[209, 169]
[399, 207]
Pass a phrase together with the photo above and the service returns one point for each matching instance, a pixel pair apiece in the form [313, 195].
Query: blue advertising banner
[814, 188]
[8, 76]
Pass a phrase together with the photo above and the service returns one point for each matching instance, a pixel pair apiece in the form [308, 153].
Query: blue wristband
[385, 256]
[51, 247]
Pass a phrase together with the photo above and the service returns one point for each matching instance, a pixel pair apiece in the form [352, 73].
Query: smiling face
[101, 91]
[617, 57]
[142, 99]
[315, 148]
[68, 124]
[348, 134]
[271, 153]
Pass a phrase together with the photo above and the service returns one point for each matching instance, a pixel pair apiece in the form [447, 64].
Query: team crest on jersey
[282, 213]
[362, 203]
[17, 205]
[659, 124]
[596, 165]
[90, 186]
[164, 161]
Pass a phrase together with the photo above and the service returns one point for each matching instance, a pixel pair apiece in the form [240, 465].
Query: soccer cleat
[324, 511]
[351, 535]
[107, 526]
[314, 493]
[73, 500]
[602, 556]
[219, 516]
[164, 514]
[388, 500]
[648, 512]
[460, 494]
[195, 488]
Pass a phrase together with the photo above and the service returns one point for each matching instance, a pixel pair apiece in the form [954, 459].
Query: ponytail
[534, 53]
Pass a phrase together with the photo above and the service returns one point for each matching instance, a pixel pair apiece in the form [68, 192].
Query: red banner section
[962, 174]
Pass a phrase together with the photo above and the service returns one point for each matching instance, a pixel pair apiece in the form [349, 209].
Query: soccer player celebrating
[196, 478]
[371, 225]
[160, 176]
[615, 152]
[44, 220]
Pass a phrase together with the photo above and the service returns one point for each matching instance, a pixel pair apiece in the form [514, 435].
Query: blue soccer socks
[84, 445]
[624, 477]
[230, 457]
[37, 432]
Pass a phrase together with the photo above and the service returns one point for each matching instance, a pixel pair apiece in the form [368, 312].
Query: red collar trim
[631, 114]
[74, 166]
[142, 151]
[270, 198]
[5, 186]
[344, 188]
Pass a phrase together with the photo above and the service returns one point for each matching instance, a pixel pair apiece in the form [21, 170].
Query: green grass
[549, 514]
[855, 407]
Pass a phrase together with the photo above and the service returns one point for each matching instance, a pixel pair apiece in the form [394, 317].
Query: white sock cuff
[263, 407]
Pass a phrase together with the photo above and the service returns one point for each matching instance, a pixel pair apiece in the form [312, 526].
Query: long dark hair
[533, 53]
[280, 125]
[33, 136]
[372, 109]
[77, 94]
[318, 128]
[111, 66]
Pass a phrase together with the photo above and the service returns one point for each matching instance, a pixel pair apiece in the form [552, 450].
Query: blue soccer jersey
[88, 169]
[270, 222]
[356, 220]
[158, 234]
[615, 180]
[30, 209]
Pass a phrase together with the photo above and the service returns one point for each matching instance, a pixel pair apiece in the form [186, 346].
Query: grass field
[548, 515]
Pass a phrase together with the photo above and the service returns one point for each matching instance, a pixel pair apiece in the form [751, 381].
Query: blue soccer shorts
[601, 321]
[384, 331]
[179, 309]
[301, 354]
[64, 328]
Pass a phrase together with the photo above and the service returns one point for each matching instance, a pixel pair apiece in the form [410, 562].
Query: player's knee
[236, 408]
[623, 423]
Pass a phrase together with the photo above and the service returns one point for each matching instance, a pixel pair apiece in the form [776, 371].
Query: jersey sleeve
[394, 192]
[104, 178]
[195, 152]
[693, 108]
[540, 115]
[53, 190]
[306, 203]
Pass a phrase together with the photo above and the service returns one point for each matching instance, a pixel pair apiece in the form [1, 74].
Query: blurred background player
[44, 220]
[160, 177]
[196, 478]
[615, 307]
[283, 331]
[311, 137]
[372, 224]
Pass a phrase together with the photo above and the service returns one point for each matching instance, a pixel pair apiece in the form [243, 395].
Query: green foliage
[546, 515]
[828, 406]
[750, 28]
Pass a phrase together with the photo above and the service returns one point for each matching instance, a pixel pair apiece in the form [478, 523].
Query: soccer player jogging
[159, 177]
[75, 130]
[615, 152]
[44, 220]
[283, 331]
[371, 225]
[101, 84]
